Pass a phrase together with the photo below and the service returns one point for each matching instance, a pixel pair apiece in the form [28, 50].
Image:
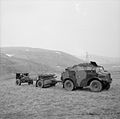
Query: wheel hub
[68, 84]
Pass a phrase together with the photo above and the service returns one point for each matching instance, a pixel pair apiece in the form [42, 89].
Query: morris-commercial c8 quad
[86, 74]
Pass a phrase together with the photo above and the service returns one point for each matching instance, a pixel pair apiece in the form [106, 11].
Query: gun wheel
[40, 84]
[68, 85]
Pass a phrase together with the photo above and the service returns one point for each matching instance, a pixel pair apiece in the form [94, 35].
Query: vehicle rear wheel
[40, 84]
[68, 85]
[95, 86]
[18, 82]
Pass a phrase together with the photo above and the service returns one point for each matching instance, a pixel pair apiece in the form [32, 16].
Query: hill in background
[36, 60]
[110, 63]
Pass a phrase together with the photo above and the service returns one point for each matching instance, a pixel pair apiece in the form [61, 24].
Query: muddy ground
[29, 102]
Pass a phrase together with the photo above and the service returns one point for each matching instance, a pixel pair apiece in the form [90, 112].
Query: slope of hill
[24, 59]
[36, 60]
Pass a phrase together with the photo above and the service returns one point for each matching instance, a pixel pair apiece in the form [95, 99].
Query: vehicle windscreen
[100, 69]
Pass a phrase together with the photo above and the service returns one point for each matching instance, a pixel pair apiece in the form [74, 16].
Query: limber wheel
[18, 82]
[96, 86]
[68, 85]
[40, 84]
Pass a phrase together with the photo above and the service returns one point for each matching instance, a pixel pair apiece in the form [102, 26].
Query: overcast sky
[73, 26]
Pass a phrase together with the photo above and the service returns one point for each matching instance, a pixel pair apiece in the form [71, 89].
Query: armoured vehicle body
[86, 74]
[46, 80]
[23, 78]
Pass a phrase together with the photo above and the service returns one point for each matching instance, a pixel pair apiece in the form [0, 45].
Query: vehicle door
[80, 75]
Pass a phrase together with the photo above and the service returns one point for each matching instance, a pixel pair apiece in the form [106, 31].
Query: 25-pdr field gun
[46, 80]
[86, 74]
[23, 78]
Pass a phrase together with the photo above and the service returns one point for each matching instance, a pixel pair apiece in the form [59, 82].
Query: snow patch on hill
[9, 55]
[58, 66]
[58, 52]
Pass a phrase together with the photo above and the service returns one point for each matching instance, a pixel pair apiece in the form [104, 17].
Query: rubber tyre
[18, 82]
[95, 86]
[40, 84]
[68, 85]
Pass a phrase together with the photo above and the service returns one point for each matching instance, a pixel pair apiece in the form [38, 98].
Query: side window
[78, 68]
[89, 68]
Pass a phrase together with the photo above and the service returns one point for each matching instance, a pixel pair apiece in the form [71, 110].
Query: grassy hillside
[24, 59]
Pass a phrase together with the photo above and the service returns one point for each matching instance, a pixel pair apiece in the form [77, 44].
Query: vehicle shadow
[83, 89]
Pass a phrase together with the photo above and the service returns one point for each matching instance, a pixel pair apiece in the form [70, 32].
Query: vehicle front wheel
[68, 85]
[39, 83]
[96, 86]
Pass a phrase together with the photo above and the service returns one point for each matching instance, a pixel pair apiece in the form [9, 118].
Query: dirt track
[29, 102]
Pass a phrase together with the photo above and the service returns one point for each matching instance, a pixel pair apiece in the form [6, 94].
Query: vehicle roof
[46, 74]
[21, 73]
[90, 64]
